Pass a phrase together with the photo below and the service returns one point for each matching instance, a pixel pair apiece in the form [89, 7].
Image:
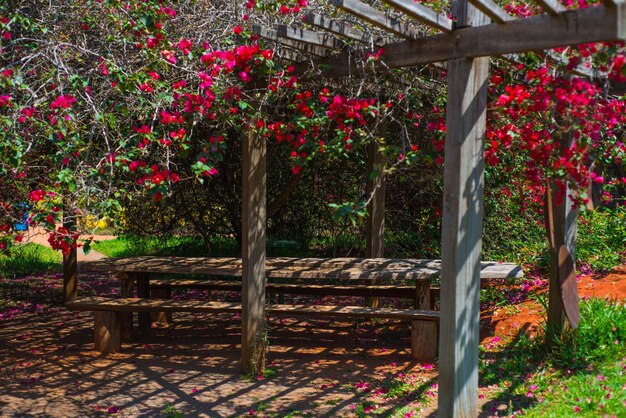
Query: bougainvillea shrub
[106, 101]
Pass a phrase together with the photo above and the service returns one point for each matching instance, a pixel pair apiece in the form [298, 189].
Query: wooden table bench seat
[369, 291]
[108, 321]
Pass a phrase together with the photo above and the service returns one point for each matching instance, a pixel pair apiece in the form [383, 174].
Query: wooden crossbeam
[491, 9]
[554, 7]
[309, 37]
[579, 70]
[593, 24]
[422, 13]
[378, 18]
[341, 29]
[272, 35]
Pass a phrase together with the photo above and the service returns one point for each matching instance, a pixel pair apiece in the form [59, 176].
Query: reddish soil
[529, 315]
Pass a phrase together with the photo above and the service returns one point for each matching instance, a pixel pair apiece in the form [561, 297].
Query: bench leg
[423, 333]
[107, 331]
[162, 318]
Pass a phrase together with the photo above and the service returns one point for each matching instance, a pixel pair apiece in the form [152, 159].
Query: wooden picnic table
[370, 277]
[384, 270]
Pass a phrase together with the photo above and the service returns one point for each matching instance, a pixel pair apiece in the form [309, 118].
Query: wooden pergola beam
[422, 13]
[341, 29]
[272, 35]
[573, 27]
[551, 6]
[491, 9]
[309, 37]
[378, 18]
[579, 70]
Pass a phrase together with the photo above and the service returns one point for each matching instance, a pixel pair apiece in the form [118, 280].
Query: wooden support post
[143, 291]
[375, 222]
[561, 228]
[107, 332]
[70, 260]
[462, 227]
[423, 333]
[253, 337]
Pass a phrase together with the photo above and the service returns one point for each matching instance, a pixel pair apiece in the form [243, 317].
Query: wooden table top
[297, 268]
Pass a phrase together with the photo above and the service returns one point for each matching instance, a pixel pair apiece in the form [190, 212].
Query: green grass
[583, 376]
[29, 259]
[129, 246]
[190, 246]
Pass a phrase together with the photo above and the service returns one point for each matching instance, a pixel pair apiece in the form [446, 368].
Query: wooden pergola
[480, 29]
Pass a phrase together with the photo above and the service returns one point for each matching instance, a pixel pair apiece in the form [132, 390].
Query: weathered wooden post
[375, 221]
[70, 266]
[253, 337]
[462, 226]
[560, 215]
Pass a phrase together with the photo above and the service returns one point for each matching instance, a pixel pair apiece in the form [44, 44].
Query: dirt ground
[316, 367]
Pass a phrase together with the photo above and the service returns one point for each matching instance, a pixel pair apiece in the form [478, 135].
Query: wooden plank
[254, 220]
[554, 7]
[592, 24]
[272, 35]
[298, 268]
[378, 18]
[462, 227]
[309, 37]
[405, 292]
[422, 13]
[491, 9]
[353, 312]
[340, 28]
[99, 303]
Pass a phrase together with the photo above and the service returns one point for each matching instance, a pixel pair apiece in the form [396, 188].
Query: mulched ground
[317, 367]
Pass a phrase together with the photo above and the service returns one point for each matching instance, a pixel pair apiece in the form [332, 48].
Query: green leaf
[87, 246]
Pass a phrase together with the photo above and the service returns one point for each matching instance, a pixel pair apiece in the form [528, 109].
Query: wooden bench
[109, 322]
[161, 288]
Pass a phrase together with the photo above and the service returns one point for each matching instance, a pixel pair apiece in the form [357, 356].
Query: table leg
[162, 318]
[423, 333]
[127, 282]
[143, 291]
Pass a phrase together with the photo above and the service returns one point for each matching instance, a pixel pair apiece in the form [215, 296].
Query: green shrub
[601, 239]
